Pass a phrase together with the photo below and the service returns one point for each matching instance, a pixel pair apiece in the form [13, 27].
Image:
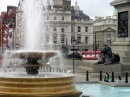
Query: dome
[114, 12]
[76, 7]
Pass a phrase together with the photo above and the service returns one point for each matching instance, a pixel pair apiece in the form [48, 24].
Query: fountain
[33, 83]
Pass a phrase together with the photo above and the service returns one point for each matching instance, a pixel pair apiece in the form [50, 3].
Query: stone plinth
[122, 43]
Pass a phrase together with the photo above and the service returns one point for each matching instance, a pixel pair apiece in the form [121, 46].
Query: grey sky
[90, 7]
[95, 7]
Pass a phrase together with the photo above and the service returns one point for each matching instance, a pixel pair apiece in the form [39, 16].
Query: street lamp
[73, 42]
[95, 45]
[66, 42]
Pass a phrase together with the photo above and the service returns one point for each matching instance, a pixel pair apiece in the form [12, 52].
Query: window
[86, 40]
[108, 36]
[62, 30]
[47, 17]
[54, 39]
[62, 17]
[79, 19]
[79, 29]
[86, 29]
[60, 2]
[55, 29]
[71, 29]
[72, 38]
[47, 39]
[62, 39]
[17, 40]
[55, 18]
[108, 39]
[85, 18]
[78, 39]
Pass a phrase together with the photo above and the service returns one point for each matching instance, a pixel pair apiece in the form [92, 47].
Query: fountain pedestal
[32, 65]
[59, 85]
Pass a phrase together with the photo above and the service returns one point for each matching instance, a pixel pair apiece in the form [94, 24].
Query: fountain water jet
[32, 84]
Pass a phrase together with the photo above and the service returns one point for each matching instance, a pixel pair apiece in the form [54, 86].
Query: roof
[79, 14]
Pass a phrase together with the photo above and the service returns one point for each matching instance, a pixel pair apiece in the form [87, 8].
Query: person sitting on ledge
[118, 80]
[106, 79]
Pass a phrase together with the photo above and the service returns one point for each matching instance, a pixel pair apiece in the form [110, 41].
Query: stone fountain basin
[31, 59]
[44, 84]
[33, 54]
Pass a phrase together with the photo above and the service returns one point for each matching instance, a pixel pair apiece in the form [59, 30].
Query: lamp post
[66, 42]
[73, 60]
[95, 45]
[73, 42]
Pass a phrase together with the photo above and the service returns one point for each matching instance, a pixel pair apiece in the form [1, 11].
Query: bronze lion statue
[107, 57]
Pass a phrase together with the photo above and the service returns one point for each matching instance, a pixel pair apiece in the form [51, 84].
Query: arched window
[55, 39]
[62, 30]
[62, 17]
[62, 38]
[55, 29]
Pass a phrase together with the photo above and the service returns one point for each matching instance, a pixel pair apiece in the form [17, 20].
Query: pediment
[109, 29]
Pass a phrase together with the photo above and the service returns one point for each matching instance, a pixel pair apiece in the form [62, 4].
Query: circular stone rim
[11, 75]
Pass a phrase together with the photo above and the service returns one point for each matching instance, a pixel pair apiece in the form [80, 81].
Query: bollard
[126, 77]
[87, 77]
[112, 80]
[100, 75]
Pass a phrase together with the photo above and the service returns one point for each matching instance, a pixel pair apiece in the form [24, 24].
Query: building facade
[104, 31]
[8, 21]
[62, 24]
[0, 33]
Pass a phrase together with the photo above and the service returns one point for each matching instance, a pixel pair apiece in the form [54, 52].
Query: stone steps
[125, 59]
[100, 67]
[122, 53]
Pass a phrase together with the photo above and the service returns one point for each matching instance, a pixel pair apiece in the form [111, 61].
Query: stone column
[122, 43]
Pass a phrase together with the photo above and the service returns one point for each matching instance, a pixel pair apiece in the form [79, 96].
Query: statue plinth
[122, 43]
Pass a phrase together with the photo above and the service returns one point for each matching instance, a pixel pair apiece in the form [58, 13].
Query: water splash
[32, 19]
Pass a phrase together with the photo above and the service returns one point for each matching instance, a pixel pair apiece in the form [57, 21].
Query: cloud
[95, 7]
[90, 7]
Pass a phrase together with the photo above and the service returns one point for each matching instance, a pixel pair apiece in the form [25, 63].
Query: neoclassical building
[62, 24]
[104, 30]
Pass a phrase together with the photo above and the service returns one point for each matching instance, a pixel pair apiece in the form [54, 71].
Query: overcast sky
[90, 7]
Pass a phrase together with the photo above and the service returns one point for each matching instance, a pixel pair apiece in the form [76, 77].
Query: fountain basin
[51, 85]
[32, 59]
